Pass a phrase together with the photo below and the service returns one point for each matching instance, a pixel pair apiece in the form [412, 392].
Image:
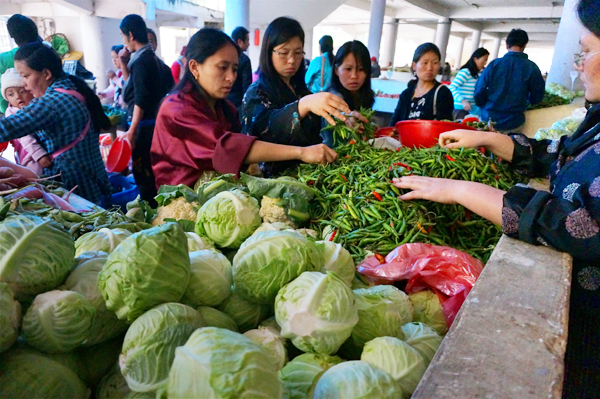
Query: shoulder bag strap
[85, 130]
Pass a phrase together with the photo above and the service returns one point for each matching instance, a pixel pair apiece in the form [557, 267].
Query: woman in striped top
[463, 85]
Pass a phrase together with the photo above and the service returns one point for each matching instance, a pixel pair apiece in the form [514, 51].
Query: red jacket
[190, 139]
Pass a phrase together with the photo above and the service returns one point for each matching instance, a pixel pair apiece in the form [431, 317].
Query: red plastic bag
[448, 272]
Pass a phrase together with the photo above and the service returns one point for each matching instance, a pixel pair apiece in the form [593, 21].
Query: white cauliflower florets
[177, 209]
[272, 213]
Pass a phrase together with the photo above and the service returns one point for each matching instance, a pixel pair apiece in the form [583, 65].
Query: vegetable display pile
[358, 207]
[550, 100]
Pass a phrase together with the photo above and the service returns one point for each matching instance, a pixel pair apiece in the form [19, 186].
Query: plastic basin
[119, 156]
[128, 191]
[386, 132]
[421, 133]
[3, 146]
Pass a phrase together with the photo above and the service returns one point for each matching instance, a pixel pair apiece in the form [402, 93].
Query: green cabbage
[105, 240]
[112, 385]
[218, 363]
[427, 309]
[422, 337]
[317, 311]
[96, 361]
[270, 340]
[269, 260]
[357, 380]
[149, 268]
[228, 218]
[35, 256]
[198, 243]
[10, 317]
[210, 279]
[397, 358]
[84, 280]
[58, 321]
[299, 377]
[30, 374]
[247, 315]
[215, 318]
[338, 260]
[150, 342]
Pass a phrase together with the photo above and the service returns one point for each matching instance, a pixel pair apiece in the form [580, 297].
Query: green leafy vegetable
[215, 318]
[105, 240]
[210, 279]
[10, 317]
[299, 377]
[422, 337]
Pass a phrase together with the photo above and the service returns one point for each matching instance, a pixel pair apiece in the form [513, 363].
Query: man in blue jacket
[509, 84]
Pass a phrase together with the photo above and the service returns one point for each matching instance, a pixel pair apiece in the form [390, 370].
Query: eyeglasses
[285, 55]
[581, 57]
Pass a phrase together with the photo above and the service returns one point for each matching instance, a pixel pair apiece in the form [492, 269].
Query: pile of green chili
[358, 203]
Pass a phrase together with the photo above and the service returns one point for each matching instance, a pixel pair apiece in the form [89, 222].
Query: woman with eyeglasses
[567, 218]
[278, 107]
[197, 130]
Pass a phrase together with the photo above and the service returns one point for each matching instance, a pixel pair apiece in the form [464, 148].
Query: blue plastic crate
[128, 190]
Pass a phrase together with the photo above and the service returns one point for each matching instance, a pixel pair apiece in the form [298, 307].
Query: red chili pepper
[392, 224]
[352, 141]
[345, 206]
[429, 229]
[467, 214]
[310, 182]
[496, 177]
[421, 229]
[458, 222]
[402, 164]
[380, 258]
[450, 158]
[398, 149]
[494, 168]
[343, 177]
[376, 195]
[347, 156]
[333, 235]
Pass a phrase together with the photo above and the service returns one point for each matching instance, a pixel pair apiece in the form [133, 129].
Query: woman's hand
[428, 188]
[319, 153]
[462, 138]
[324, 105]
[353, 118]
[45, 161]
[466, 105]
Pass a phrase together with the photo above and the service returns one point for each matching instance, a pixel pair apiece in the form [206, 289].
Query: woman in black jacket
[278, 107]
[425, 97]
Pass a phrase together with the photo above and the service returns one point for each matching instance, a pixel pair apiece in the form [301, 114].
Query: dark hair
[205, 43]
[240, 33]
[420, 52]
[326, 46]
[116, 48]
[39, 57]
[365, 93]
[517, 37]
[135, 25]
[151, 32]
[471, 66]
[22, 29]
[588, 11]
[281, 30]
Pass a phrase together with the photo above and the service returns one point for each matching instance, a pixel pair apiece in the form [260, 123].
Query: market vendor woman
[567, 218]
[66, 116]
[278, 107]
[197, 129]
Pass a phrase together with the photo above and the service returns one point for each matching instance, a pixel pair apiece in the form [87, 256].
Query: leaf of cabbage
[210, 279]
[423, 338]
[168, 193]
[215, 318]
[35, 256]
[10, 317]
[299, 377]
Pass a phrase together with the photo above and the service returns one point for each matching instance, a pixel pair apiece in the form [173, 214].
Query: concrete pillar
[390, 50]
[475, 39]
[308, 43]
[567, 40]
[237, 13]
[495, 50]
[442, 36]
[459, 52]
[376, 27]
[98, 36]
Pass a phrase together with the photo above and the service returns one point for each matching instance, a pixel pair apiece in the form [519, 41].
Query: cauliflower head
[177, 209]
[270, 212]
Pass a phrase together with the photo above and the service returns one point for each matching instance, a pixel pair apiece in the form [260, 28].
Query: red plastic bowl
[421, 133]
[386, 132]
[119, 156]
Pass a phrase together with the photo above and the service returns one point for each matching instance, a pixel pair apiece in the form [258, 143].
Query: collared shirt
[57, 119]
[506, 87]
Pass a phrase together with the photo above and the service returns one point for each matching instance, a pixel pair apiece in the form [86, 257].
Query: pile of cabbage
[237, 308]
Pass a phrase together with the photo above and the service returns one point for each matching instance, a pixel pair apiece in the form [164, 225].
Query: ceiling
[540, 18]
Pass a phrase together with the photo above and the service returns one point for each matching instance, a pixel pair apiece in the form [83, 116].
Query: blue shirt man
[509, 84]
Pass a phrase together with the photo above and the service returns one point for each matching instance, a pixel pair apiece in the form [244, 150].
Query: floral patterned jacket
[568, 217]
[270, 112]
